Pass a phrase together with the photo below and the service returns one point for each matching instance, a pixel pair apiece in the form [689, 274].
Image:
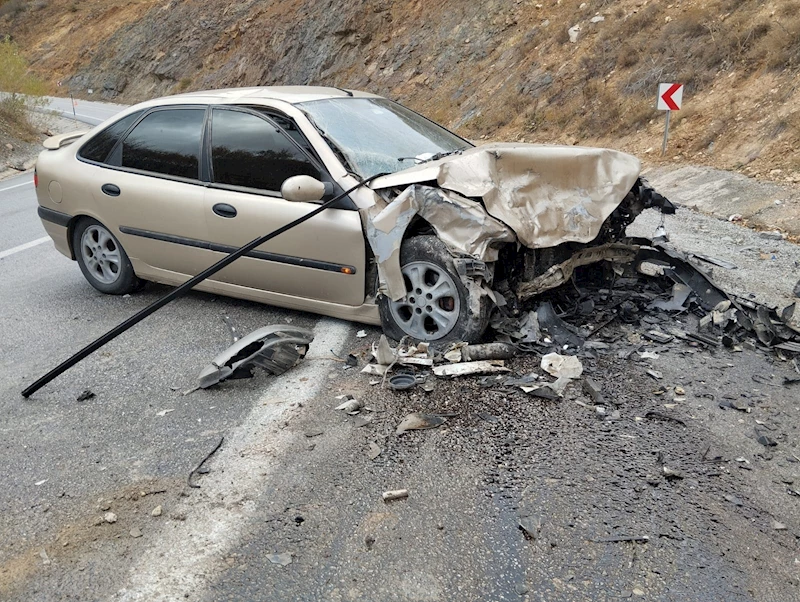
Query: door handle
[110, 189]
[224, 210]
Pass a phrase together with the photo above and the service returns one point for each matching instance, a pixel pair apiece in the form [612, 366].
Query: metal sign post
[75, 117]
[670, 97]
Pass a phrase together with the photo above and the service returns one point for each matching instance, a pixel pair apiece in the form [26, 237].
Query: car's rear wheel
[102, 259]
[437, 306]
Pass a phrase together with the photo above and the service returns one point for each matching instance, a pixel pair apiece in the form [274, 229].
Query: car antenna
[181, 291]
[348, 92]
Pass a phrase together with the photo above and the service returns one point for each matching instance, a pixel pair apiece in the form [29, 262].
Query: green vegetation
[21, 92]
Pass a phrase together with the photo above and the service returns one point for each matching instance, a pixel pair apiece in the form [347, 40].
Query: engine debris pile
[658, 292]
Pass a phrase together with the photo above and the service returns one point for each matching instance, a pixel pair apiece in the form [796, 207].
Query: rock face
[362, 44]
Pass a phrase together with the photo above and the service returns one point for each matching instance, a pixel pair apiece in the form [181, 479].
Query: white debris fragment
[350, 404]
[465, 368]
[110, 518]
[165, 412]
[567, 366]
[454, 356]
[374, 450]
[361, 334]
[573, 33]
[383, 352]
[284, 559]
[395, 494]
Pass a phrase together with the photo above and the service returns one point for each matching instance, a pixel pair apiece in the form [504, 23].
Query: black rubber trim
[212, 246]
[55, 217]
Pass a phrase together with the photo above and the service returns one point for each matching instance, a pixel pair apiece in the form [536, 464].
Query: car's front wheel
[102, 259]
[437, 306]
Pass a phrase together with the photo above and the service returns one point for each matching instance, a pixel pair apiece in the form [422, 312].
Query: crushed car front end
[516, 218]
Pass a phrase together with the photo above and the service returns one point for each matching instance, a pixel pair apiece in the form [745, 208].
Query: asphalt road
[291, 507]
[86, 111]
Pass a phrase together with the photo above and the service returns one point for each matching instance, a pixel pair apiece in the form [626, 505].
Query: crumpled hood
[546, 194]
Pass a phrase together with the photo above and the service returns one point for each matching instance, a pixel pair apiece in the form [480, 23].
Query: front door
[321, 259]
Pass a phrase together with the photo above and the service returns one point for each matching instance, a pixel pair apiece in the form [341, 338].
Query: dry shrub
[781, 48]
[24, 91]
[723, 125]
[601, 60]
[699, 43]
[509, 105]
[12, 8]
[606, 111]
[637, 23]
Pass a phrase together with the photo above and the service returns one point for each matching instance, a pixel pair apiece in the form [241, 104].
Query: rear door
[250, 157]
[153, 195]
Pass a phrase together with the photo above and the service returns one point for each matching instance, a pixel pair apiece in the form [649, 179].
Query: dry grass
[22, 88]
[12, 8]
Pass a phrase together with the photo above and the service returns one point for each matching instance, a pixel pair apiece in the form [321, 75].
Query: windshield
[376, 135]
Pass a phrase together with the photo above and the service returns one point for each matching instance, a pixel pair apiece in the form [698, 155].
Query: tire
[102, 259]
[436, 307]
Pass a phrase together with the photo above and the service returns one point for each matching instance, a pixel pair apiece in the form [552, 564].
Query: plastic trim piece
[316, 264]
[55, 217]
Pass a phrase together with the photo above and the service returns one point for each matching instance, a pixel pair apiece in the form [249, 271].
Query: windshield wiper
[419, 160]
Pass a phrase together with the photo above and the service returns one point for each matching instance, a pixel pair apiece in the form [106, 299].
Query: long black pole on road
[180, 292]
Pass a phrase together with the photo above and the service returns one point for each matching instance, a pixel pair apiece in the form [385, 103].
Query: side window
[290, 127]
[99, 146]
[166, 142]
[249, 151]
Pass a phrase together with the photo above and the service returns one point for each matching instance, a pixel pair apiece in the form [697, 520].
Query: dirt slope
[495, 69]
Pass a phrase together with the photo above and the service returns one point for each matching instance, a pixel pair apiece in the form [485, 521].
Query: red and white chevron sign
[670, 97]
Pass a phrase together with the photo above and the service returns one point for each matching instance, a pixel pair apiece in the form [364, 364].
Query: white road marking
[27, 245]
[17, 186]
[185, 556]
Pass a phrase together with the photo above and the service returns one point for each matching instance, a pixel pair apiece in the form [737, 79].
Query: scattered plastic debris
[284, 559]
[467, 368]
[395, 494]
[623, 538]
[402, 382]
[350, 404]
[374, 450]
[418, 421]
[85, 395]
[530, 526]
[274, 349]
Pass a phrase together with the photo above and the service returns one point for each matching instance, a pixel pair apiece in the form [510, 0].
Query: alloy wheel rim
[101, 254]
[431, 306]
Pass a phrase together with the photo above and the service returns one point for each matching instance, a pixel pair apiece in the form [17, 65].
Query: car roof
[289, 94]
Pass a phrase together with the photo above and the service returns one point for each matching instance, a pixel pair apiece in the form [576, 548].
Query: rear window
[99, 146]
[166, 142]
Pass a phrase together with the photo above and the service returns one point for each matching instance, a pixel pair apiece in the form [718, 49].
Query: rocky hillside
[536, 70]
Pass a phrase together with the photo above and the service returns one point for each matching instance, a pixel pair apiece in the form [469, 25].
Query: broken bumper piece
[274, 349]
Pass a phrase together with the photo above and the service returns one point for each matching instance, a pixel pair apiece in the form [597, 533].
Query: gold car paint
[333, 236]
[73, 174]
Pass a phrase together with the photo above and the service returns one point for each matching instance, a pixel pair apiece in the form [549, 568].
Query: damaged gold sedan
[427, 250]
